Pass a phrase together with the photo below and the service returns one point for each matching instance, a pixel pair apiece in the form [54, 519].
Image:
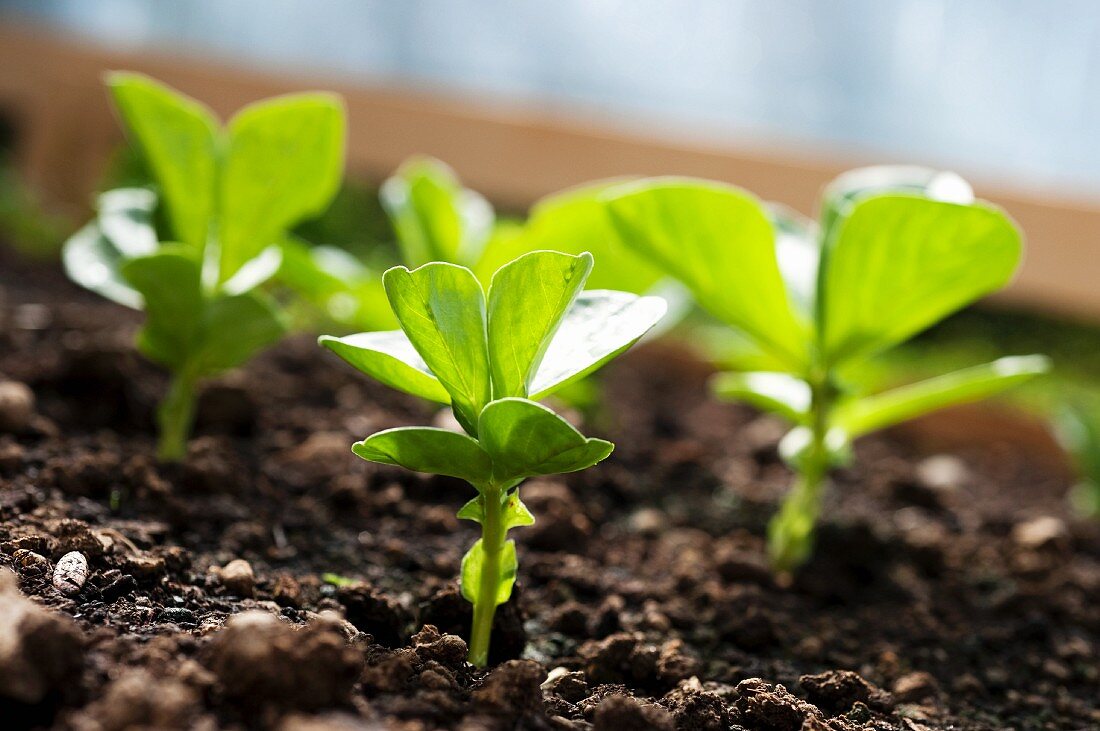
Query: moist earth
[274, 580]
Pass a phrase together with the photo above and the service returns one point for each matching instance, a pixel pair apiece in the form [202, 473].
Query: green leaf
[900, 264]
[841, 195]
[178, 138]
[427, 449]
[169, 283]
[718, 241]
[335, 282]
[93, 256]
[516, 514]
[779, 393]
[234, 328]
[472, 564]
[435, 218]
[525, 439]
[798, 252]
[575, 221]
[125, 217]
[284, 163]
[970, 384]
[441, 308]
[389, 357]
[600, 325]
[527, 300]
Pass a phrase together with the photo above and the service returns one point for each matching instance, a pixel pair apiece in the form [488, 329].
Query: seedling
[1077, 425]
[229, 195]
[897, 250]
[491, 357]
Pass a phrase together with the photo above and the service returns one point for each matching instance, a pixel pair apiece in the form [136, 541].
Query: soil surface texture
[274, 580]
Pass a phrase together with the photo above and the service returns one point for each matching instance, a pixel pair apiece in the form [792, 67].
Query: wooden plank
[51, 84]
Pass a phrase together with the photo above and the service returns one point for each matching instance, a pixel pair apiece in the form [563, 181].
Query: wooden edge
[50, 85]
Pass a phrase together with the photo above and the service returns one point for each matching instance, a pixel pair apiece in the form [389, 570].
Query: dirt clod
[260, 660]
[512, 689]
[623, 713]
[40, 653]
[835, 691]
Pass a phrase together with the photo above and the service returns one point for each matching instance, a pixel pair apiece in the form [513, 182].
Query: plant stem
[175, 417]
[791, 530]
[492, 545]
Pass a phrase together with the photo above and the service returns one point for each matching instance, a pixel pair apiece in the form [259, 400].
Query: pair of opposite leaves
[491, 357]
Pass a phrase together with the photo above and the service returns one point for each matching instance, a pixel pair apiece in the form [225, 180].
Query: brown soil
[946, 592]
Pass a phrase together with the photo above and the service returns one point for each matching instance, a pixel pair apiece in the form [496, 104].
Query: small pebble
[237, 577]
[1039, 532]
[16, 406]
[943, 473]
[70, 573]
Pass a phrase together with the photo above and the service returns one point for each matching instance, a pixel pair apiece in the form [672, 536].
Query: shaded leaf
[473, 563]
[234, 328]
[427, 449]
[169, 283]
[525, 439]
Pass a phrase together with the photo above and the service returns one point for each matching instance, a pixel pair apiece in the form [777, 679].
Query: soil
[276, 581]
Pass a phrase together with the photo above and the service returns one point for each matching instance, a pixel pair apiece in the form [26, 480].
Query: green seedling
[491, 356]
[1077, 425]
[897, 250]
[227, 196]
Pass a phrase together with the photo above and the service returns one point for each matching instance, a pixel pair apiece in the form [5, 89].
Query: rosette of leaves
[897, 249]
[192, 253]
[491, 356]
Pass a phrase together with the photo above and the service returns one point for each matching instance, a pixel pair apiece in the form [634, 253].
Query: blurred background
[525, 98]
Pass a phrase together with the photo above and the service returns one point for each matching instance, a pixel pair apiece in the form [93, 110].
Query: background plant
[491, 356]
[896, 250]
[226, 196]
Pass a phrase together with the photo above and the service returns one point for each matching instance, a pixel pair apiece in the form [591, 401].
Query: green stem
[492, 545]
[175, 417]
[791, 530]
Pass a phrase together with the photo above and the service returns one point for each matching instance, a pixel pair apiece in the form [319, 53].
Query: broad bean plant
[895, 251]
[491, 355]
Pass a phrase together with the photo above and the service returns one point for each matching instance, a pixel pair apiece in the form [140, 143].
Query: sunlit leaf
[441, 308]
[389, 357]
[472, 564]
[907, 402]
[900, 263]
[779, 393]
[178, 138]
[527, 300]
[719, 242]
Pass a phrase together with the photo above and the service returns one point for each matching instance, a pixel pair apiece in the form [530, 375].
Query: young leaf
[779, 393]
[899, 264]
[525, 439]
[427, 449]
[970, 384]
[516, 514]
[234, 328]
[599, 325]
[284, 163]
[178, 138]
[718, 241]
[389, 357]
[841, 195]
[125, 217]
[799, 252]
[472, 564]
[93, 262]
[441, 307]
[527, 300]
[576, 221]
[435, 218]
[169, 283]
